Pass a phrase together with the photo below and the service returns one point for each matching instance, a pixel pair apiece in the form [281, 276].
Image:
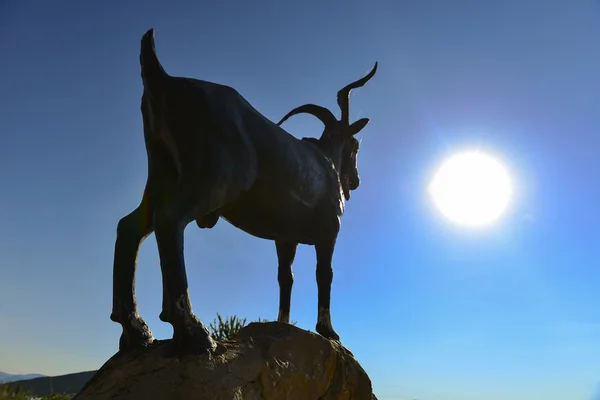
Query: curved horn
[343, 96]
[324, 115]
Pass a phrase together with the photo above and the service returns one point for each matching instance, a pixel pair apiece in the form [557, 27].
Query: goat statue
[212, 155]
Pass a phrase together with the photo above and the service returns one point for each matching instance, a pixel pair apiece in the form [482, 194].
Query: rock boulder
[266, 361]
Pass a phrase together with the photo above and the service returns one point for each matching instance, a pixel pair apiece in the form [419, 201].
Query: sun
[471, 189]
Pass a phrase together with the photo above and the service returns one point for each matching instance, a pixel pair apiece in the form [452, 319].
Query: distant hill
[66, 384]
[5, 377]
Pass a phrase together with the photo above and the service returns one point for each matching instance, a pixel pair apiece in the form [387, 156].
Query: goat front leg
[324, 279]
[131, 232]
[286, 252]
[189, 333]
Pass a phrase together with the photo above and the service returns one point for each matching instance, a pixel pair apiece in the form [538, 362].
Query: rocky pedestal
[266, 361]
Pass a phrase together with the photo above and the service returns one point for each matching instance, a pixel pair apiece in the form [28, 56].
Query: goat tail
[153, 74]
[153, 78]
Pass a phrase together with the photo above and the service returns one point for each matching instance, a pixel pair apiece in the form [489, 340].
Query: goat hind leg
[189, 333]
[286, 252]
[131, 232]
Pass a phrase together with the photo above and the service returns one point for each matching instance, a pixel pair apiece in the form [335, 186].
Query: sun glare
[471, 189]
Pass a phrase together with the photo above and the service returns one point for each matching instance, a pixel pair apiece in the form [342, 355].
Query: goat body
[210, 155]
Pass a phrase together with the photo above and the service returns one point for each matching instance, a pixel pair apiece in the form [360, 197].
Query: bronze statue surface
[212, 155]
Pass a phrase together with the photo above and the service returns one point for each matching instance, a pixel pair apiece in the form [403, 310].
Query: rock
[266, 361]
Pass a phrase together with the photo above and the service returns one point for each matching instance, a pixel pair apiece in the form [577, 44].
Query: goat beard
[345, 181]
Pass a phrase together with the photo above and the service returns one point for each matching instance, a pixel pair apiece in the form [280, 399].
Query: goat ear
[358, 126]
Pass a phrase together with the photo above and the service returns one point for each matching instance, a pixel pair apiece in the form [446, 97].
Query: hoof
[137, 334]
[197, 345]
[327, 332]
[193, 338]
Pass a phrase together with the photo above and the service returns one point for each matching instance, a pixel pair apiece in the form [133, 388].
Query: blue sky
[431, 310]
